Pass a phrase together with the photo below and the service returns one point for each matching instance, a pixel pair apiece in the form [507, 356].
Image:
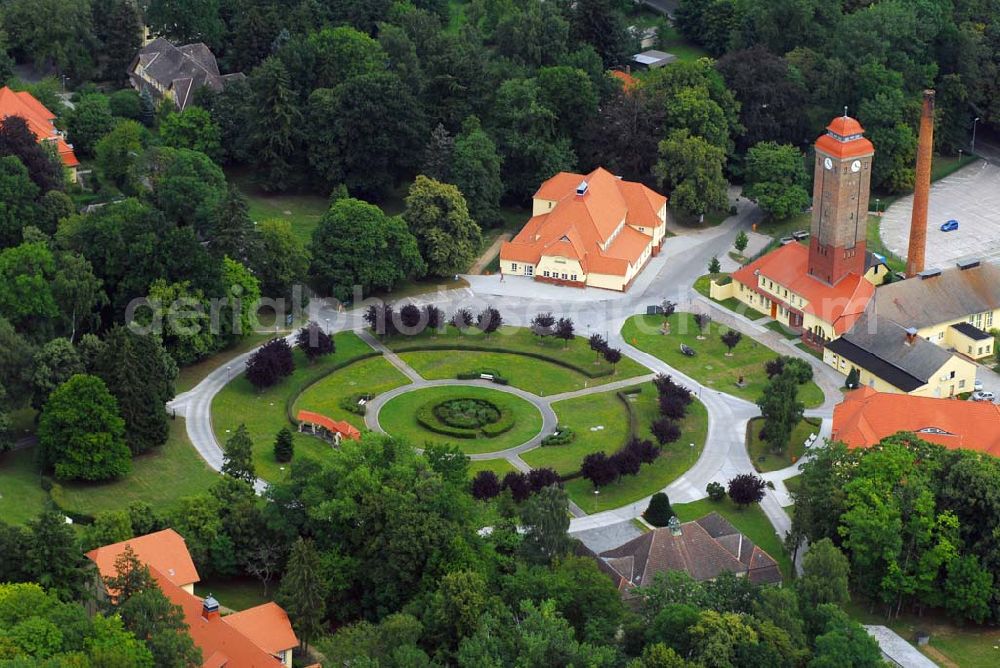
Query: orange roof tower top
[844, 138]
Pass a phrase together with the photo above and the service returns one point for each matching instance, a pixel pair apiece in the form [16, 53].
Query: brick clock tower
[841, 186]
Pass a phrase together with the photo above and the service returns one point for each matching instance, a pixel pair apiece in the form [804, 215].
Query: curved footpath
[669, 275]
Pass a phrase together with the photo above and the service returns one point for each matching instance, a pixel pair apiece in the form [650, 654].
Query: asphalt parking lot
[972, 197]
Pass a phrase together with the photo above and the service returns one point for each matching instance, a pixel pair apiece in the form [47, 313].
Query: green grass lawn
[776, 326]
[968, 646]
[710, 367]
[161, 477]
[21, 493]
[675, 43]
[793, 484]
[499, 466]
[519, 339]
[751, 522]
[22, 422]
[581, 414]
[674, 460]
[264, 412]
[760, 453]
[703, 284]
[373, 376]
[236, 593]
[302, 211]
[809, 349]
[398, 418]
[527, 373]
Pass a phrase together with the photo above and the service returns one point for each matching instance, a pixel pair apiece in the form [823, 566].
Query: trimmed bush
[716, 491]
[498, 378]
[429, 417]
[562, 436]
[659, 511]
[351, 405]
[485, 485]
[589, 372]
[425, 418]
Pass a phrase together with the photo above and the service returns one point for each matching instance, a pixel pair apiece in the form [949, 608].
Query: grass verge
[499, 466]
[764, 459]
[582, 415]
[235, 593]
[369, 376]
[398, 418]
[675, 458]
[710, 366]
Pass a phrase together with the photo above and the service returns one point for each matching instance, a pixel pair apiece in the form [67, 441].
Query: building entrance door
[774, 310]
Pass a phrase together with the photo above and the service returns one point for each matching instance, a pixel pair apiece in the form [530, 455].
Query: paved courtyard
[972, 197]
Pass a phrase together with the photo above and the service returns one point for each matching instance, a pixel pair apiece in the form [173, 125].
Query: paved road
[668, 276]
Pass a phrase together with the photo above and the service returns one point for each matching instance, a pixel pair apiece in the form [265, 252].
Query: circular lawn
[476, 419]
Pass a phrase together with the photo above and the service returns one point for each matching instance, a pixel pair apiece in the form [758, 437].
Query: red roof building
[337, 429]
[865, 417]
[40, 122]
[591, 230]
[259, 637]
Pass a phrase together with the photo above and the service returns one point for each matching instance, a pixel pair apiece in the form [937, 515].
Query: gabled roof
[865, 417]
[581, 226]
[345, 429]
[248, 639]
[954, 294]
[841, 305]
[704, 549]
[39, 120]
[885, 349]
[164, 551]
[182, 69]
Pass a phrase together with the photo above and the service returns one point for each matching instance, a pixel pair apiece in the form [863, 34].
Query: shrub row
[498, 378]
[562, 436]
[504, 424]
[426, 419]
[590, 373]
[351, 404]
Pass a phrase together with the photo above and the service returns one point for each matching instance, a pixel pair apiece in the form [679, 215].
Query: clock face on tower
[856, 166]
[828, 163]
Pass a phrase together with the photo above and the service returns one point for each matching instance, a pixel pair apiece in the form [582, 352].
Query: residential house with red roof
[588, 230]
[704, 549]
[41, 122]
[865, 417]
[259, 637]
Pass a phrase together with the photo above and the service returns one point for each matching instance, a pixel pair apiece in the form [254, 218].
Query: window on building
[564, 277]
[969, 350]
[940, 335]
[951, 375]
[545, 274]
[989, 319]
[980, 350]
[513, 266]
[572, 277]
[961, 384]
[529, 270]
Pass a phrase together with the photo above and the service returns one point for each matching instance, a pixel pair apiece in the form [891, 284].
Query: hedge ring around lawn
[427, 414]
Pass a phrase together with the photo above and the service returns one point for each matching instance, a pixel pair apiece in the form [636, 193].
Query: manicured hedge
[498, 378]
[350, 403]
[565, 435]
[426, 419]
[504, 424]
[590, 373]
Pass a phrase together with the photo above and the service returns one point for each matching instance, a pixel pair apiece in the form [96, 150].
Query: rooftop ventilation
[582, 188]
[929, 273]
[967, 264]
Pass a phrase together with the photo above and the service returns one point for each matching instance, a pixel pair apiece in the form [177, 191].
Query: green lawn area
[398, 418]
[22, 422]
[302, 211]
[499, 466]
[764, 460]
[710, 367]
[527, 373]
[675, 43]
[703, 284]
[581, 414]
[519, 339]
[776, 326]
[264, 412]
[969, 646]
[372, 376]
[674, 460]
[236, 593]
[751, 521]
[21, 493]
[161, 477]
[793, 484]
[808, 349]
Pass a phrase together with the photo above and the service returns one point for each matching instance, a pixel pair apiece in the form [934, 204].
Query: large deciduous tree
[475, 170]
[270, 363]
[192, 128]
[186, 21]
[447, 236]
[775, 178]
[355, 243]
[690, 168]
[81, 435]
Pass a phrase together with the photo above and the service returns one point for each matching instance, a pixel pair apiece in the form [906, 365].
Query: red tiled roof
[839, 305]
[865, 417]
[345, 429]
[164, 551]
[845, 126]
[578, 225]
[247, 639]
[38, 118]
[267, 625]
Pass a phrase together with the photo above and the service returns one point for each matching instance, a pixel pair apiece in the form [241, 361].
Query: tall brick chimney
[921, 189]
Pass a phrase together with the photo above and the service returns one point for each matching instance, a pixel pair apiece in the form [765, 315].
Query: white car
[983, 395]
[978, 385]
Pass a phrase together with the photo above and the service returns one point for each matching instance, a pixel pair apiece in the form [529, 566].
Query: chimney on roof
[921, 189]
[674, 525]
[209, 608]
[967, 264]
[582, 188]
[911, 335]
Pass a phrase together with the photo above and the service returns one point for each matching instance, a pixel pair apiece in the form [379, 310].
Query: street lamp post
[877, 200]
[228, 369]
[975, 122]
